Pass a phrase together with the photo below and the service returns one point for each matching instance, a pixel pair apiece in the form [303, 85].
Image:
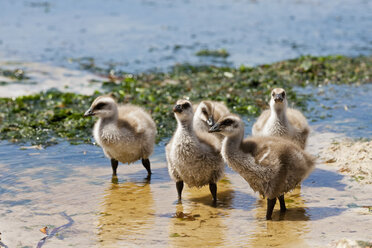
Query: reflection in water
[197, 222]
[289, 230]
[127, 212]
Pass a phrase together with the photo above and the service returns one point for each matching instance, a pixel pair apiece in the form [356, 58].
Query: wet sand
[44, 76]
[350, 157]
[127, 211]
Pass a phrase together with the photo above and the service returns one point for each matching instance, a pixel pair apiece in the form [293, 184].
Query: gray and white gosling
[193, 157]
[207, 113]
[282, 121]
[271, 165]
[126, 133]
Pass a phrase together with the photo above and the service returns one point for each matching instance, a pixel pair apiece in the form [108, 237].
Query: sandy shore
[353, 158]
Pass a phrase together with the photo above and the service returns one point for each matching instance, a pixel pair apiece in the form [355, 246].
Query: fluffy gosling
[126, 133]
[271, 165]
[282, 121]
[193, 157]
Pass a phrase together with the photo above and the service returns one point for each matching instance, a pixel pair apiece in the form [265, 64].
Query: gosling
[207, 113]
[126, 133]
[271, 165]
[193, 157]
[281, 121]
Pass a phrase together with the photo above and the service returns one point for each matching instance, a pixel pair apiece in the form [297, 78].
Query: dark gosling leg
[114, 179]
[114, 165]
[213, 189]
[270, 208]
[146, 164]
[179, 186]
[282, 204]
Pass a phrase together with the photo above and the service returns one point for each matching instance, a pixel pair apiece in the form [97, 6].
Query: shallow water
[342, 109]
[38, 186]
[139, 35]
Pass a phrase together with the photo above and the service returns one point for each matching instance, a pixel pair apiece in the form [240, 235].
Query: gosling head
[205, 111]
[103, 107]
[183, 110]
[229, 125]
[278, 99]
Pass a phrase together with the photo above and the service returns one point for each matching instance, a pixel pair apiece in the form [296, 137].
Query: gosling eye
[186, 105]
[227, 122]
[100, 105]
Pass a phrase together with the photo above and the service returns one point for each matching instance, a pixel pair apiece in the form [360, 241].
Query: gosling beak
[210, 121]
[89, 112]
[177, 109]
[214, 128]
[278, 98]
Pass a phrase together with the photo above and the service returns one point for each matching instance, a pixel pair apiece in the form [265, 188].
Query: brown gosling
[207, 113]
[282, 121]
[126, 133]
[271, 165]
[193, 157]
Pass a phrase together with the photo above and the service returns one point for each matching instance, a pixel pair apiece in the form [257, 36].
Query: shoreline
[56, 115]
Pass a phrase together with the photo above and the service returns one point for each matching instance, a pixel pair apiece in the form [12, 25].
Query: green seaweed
[364, 244]
[174, 235]
[221, 53]
[48, 117]
[16, 74]
[44, 117]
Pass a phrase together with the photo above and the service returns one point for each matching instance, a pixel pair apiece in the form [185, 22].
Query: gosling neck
[113, 118]
[185, 125]
[279, 113]
[234, 141]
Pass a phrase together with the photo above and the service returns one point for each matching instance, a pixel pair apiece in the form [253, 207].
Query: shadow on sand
[325, 178]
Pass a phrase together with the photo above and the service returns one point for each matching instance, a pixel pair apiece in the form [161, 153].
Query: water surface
[38, 186]
[139, 35]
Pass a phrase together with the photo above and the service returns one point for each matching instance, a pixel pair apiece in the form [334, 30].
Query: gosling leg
[114, 179]
[179, 186]
[114, 165]
[213, 189]
[282, 204]
[146, 164]
[270, 208]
